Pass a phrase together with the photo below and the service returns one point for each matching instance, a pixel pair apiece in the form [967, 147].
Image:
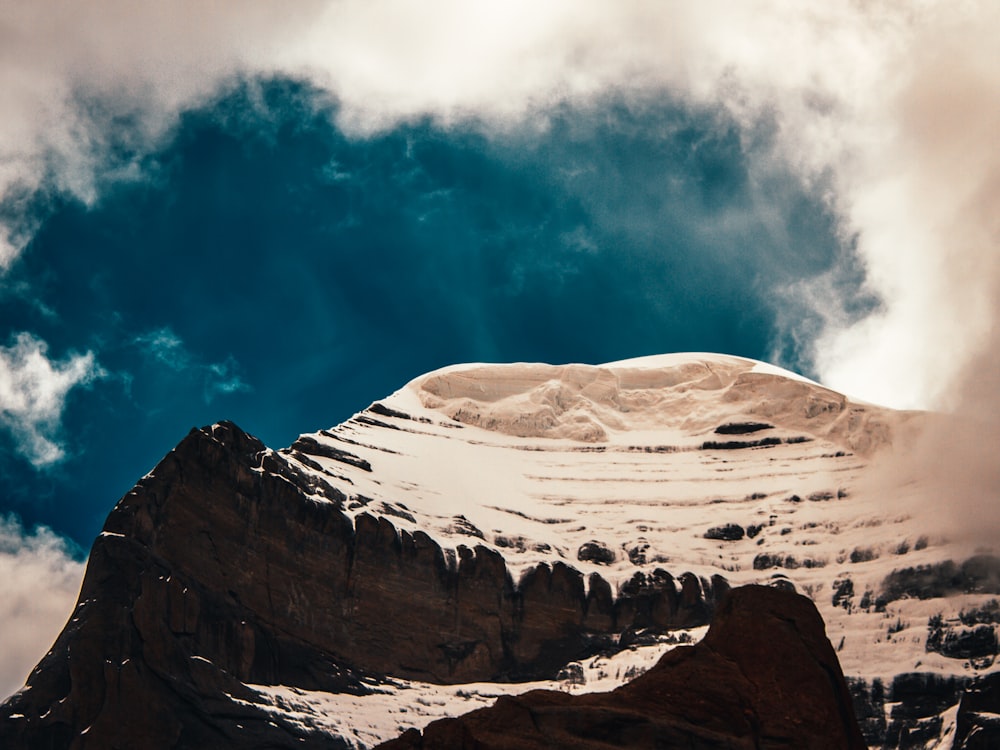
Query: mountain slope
[488, 525]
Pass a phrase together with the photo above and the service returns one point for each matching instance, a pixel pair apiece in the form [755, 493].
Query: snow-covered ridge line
[655, 492]
[681, 431]
[677, 394]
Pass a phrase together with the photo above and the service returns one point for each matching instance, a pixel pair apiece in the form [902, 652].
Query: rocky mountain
[491, 529]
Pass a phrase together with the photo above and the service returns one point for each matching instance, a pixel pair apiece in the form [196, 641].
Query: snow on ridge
[649, 491]
[652, 489]
[658, 361]
[690, 393]
[646, 362]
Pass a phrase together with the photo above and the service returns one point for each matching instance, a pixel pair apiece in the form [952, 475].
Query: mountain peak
[487, 524]
[685, 393]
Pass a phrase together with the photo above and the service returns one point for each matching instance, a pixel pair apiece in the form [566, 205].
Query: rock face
[765, 676]
[978, 723]
[226, 565]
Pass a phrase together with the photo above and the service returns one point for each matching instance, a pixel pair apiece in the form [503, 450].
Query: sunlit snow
[643, 457]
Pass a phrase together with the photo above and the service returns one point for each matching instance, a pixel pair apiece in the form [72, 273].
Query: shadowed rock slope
[227, 565]
[765, 676]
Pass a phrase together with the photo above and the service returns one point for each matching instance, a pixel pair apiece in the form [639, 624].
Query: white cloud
[923, 198]
[33, 391]
[8, 251]
[891, 102]
[41, 581]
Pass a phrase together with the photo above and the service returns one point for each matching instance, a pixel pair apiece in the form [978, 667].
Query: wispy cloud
[88, 87]
[41, 575]
[33, 392]
[166, 348]
[223, 378]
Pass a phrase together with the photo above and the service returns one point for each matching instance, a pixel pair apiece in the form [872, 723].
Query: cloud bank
[41, 582]
[921, 197]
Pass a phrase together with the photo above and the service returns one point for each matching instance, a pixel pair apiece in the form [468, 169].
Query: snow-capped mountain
[490, 528]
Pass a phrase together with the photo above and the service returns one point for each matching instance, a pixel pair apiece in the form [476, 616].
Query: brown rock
[765, 676]
[221, 568]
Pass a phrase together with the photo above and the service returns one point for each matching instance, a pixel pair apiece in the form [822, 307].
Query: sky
[277, 216]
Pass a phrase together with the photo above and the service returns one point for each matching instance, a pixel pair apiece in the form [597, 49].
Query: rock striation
[765, 676]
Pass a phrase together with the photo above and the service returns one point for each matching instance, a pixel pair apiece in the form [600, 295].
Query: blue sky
[270, 269]
[241, 212]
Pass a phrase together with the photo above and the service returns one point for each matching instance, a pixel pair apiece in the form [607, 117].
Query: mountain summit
[493, 528]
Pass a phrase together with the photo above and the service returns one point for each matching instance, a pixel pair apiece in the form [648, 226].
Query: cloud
[166, 348]
[887, 104]
[33, 392]
[42, 576]
[922, 200]
[223, 378]
[109, 75]
[920, 193]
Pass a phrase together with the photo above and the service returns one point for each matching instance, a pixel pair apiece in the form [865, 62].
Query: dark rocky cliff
[765, 676]
[227, 565]
[978, 723]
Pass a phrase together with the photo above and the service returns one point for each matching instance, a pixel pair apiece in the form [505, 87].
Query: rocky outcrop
[977, 575]
[909, 714]
[731, 532]
[918, 700]
[977, 726]
[869, 708]
[765, 676]
[228, 565]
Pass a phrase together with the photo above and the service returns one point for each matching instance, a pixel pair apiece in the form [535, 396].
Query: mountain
[490, 529]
